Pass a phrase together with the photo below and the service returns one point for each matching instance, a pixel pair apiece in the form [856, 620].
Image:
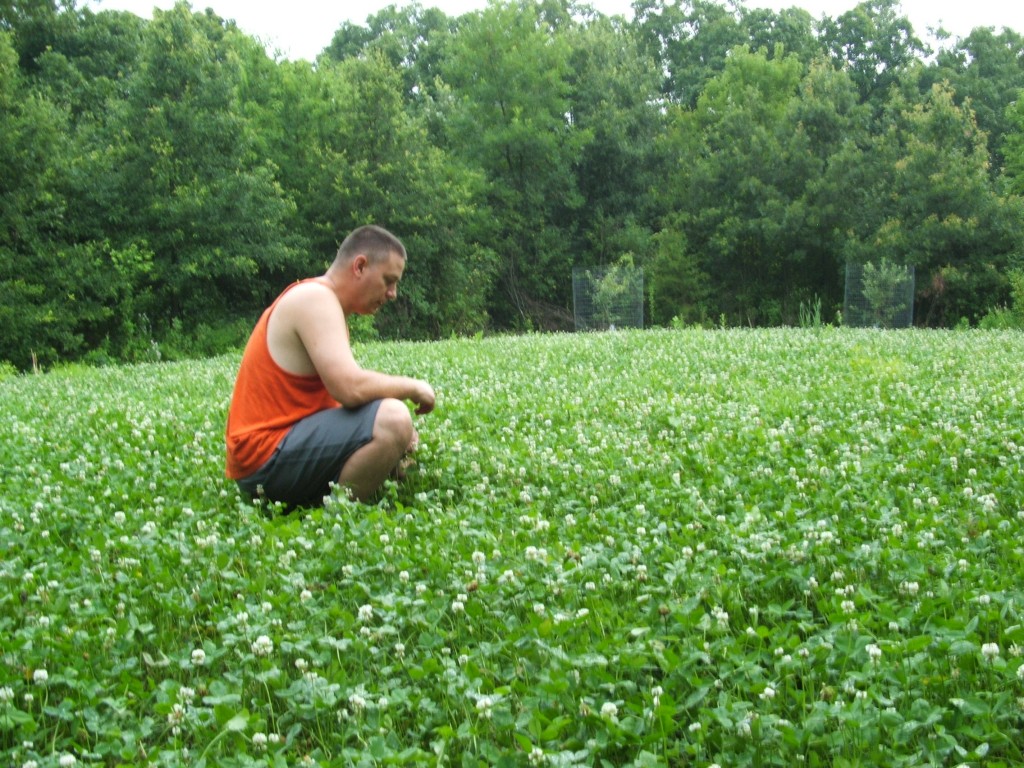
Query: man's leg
[367, 469]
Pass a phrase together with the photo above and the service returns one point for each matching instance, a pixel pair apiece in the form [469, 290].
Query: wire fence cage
[879, 295]
[608, 297]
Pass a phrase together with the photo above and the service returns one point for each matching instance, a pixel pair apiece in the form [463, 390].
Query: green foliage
[510, 69]
[875, 45]
[936, 207]
[810, 313]
[667, 547]
[1011, 316]
[986, 70]
[741, 155]
[749, 192]
[883, 284]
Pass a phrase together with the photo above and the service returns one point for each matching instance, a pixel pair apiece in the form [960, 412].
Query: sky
[300, 29]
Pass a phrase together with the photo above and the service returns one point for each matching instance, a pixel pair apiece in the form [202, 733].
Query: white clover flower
[1020, 672]
[6, 694]
[262, 646]
[990, 651]
[358, 702]
[768, 693]
[609, 711]
[694, 727]
[538, 608]
[483, 706]
[365, 613]
[66, 761]
[721, 617]
[848, 606]
[198, 657]
[458, 606]
[479, 558]
[301, 664]
[400, 650]
[874, 652]
[40, 676]
[259, 740]
[176, 716]
[404, 576]
[537, 756]
[305, 595]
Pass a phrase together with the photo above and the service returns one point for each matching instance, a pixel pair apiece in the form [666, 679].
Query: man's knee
[393, 423]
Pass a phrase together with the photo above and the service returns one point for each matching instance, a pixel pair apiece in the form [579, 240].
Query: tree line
[162, 180]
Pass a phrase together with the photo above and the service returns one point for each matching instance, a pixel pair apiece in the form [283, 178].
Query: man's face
[380, 282]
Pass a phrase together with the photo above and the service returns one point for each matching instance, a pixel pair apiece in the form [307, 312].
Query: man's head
[374, 242]
[369, 264]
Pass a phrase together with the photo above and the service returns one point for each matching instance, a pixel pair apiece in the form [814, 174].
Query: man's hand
[423, 397]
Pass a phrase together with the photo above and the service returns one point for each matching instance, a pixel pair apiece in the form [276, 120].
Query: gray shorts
[311, 455]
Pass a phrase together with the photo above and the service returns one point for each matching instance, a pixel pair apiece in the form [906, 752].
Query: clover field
[657, 548]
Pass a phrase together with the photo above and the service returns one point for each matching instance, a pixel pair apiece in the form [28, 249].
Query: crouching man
[303, 413]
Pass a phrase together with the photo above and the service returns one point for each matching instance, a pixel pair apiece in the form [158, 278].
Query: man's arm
[309, 329]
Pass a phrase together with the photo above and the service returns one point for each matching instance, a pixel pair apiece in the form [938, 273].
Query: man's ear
[359, 263]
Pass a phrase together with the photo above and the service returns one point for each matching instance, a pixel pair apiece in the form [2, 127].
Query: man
[304, 414]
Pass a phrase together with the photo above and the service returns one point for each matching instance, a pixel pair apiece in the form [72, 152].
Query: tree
[412, 39]
[790, 30]
[934, 205]
[750, 231]
[187, 184]
[986, 72]
[884, 285]
[89, 62]
[689, 40]
[30, 211]
[614, 100]
[508, 71]
[35, 25]
[392, 175]
[875, 45]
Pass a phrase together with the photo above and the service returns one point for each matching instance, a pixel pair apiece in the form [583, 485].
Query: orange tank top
[266, 403]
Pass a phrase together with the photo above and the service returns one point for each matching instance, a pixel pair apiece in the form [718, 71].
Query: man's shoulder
[309, 286]
[306, 313]
[306, 295]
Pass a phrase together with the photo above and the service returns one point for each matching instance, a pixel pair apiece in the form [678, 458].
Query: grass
[646, 548]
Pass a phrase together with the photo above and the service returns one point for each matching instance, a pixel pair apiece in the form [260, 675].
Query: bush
[1011, 316]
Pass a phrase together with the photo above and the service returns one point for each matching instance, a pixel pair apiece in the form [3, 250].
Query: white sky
[300, 29]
